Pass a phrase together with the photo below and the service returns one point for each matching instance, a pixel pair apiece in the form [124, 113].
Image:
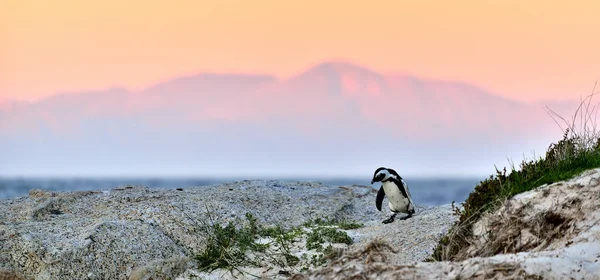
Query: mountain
[7, 104]
[334, 118]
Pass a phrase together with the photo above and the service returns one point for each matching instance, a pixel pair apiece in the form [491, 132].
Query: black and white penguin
[396, 190]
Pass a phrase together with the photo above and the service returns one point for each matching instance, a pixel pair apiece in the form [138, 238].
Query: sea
[424, 191]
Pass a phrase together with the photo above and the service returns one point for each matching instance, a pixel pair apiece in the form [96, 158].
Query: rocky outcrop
[552, 232]
[134, 232]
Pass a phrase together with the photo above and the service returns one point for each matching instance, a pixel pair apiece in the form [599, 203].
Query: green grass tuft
[343, 224]
[320, 235]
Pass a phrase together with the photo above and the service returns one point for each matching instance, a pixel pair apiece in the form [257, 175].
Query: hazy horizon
[270, 88]
[335, 119]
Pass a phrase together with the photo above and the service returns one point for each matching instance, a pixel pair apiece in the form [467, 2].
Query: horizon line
[220, 176]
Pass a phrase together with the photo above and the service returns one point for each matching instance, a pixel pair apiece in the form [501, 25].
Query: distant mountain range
[335, 118]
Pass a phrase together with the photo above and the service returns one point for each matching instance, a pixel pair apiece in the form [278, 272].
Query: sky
[525, 50]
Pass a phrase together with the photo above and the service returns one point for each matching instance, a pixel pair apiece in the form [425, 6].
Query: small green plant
[250, 243]
[226, 246]
[321, 234]
[578, 151]
[342, 224]
[350, 225]
[318, 260]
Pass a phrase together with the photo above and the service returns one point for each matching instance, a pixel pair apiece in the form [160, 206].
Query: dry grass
[582, 125]
[374, 251]
[373, 255]
[515, 231]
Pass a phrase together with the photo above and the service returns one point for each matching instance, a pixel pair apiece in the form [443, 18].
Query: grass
[320, 235]
[343, 224]
[579, 150]
[251, 244]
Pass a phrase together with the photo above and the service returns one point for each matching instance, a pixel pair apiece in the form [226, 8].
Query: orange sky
[521, 49]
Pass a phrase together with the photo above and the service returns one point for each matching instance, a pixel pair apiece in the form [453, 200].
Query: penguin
[396, 190]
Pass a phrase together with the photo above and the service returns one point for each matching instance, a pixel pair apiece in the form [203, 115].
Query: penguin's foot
[390, 219]
[406, 217]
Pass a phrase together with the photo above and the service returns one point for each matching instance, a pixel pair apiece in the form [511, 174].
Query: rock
[415, 237]
[36, 193]
[552, 232]
[162, 269]
[12, 275]
[134, 232]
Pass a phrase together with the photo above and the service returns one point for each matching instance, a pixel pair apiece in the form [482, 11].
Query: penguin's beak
[372, 181]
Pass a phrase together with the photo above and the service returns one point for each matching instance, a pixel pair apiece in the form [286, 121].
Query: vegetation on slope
[578, 151]
[251, 244]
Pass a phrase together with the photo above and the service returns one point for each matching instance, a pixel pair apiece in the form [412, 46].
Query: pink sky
[520, 49]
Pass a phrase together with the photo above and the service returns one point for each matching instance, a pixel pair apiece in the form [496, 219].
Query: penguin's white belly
[396, 201]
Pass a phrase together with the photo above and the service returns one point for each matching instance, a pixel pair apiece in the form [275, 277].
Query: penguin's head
[380, 174]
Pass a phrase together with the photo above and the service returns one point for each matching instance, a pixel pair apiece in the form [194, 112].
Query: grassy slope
[578, 151]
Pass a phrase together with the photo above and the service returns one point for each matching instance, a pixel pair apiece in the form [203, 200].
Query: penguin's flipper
[379, 199]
